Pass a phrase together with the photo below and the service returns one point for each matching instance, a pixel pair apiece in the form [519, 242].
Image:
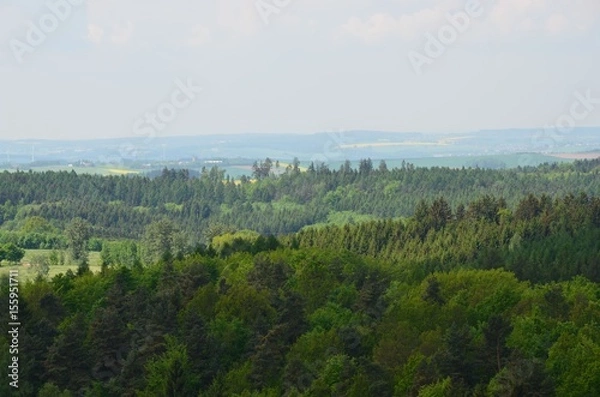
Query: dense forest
[306, 322]
[350, 282]
[542, 240]
[276, 201]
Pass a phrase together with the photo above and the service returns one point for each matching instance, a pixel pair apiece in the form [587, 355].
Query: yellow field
[82, 170]
[386, 144]
[441, 142]
[117, 171]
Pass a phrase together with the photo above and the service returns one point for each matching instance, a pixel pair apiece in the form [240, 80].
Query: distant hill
[328, 147]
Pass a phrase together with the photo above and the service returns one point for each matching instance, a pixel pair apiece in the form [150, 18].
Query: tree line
[541, 240]
[121, 207]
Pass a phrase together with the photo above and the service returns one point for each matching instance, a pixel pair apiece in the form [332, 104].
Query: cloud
[556, 23]
[140, 23]
[502, 19]
[199, 35]
[95, 33]
[509, 16]
[238, 16]
[517, 18]
[118, 34]
[383, 25]
[121, 34]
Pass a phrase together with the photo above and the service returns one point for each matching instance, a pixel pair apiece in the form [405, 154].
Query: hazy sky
[115, 68]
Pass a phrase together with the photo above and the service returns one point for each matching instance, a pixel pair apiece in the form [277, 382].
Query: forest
[274, 201]
[363, 281]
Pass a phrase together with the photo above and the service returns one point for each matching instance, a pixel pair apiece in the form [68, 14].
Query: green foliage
[78, 233]
[441, 388]
[308, 322]
[41, 263]
[51, 390]
[574, 360]
[473, 295]
[557, 242]
[521, 377]
[56, 258]
[121, 207]
[37, 224]
[407, 376]
[237, 241]
[123, 253]
[11, 253]
[169, 375]
[162, 242]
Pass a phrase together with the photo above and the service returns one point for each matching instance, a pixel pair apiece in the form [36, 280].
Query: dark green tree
[11, 253]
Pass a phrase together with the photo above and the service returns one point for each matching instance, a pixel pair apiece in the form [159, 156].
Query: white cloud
[381, 26]
[139, 23]
[121, 34]
[520, 17]
[118, 34]
[512, 16]
[238, 16]
[501, 19]
[95, 33]
[557, 23]
[199, 35]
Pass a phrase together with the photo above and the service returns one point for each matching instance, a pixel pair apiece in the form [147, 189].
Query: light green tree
[574, 361]
[78, 233]
[162, 241]
[37, 224]
[41, 264]
[169, 375]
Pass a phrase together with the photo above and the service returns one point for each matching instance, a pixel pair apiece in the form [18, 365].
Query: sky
[76, 69]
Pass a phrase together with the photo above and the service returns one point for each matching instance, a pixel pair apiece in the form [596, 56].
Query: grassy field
[108, 170]
[27, 272]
